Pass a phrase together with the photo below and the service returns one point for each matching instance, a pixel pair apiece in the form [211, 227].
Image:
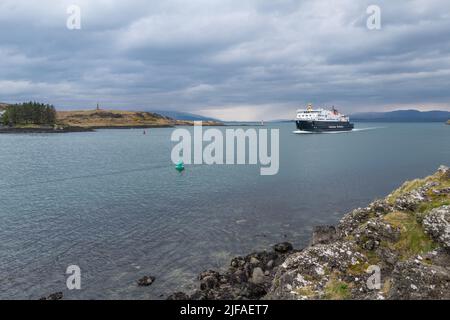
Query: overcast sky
[231, 59]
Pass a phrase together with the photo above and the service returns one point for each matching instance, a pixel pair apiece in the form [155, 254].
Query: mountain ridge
[410, 115]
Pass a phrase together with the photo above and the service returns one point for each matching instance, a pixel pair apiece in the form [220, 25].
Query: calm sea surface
[112, 203]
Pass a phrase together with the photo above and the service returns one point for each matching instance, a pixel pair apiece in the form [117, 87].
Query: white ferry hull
[323, 126]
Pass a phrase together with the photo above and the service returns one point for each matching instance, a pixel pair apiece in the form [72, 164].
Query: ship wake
[353, 130]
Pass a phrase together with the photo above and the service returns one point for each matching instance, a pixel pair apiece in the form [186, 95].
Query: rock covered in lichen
[444, 171]
[352, 221]
[437, 225]
[422, 277]
[371, 234]
[314, 272]
[402, 240]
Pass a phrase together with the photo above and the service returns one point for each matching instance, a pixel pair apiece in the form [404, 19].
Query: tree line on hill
[29, 113]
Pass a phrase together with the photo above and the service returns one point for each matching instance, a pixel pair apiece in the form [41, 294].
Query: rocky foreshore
[395, 248]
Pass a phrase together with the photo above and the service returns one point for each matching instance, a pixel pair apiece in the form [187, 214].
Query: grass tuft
[413, 240]
[305, 292]
[337, 290]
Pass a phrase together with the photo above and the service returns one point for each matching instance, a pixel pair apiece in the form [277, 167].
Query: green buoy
[180, 166]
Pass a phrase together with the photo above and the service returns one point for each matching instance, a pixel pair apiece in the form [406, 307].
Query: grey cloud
[201, 54]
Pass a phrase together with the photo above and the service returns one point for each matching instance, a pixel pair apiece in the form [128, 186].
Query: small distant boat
[321, 120]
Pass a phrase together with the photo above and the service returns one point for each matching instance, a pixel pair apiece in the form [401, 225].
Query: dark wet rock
[283, 247]
[258, 276]
[146, 281]
[53, 296]
[323, 234]
[248, 277]
[237, 262]
[209, 280]
[178, 296]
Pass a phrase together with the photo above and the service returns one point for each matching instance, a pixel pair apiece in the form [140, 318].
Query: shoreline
[14, 130]
[405, 235]
[92, 120]
[20, 130]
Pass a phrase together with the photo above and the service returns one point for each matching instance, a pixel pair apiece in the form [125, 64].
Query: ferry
[322, 120]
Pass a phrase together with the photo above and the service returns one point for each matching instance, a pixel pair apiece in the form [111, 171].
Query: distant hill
[402, 116]
[177, 115]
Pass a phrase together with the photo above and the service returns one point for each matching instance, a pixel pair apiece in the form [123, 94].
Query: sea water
[112, 203]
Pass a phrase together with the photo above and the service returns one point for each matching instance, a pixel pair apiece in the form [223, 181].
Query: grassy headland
[117, 119]
[96, 119]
